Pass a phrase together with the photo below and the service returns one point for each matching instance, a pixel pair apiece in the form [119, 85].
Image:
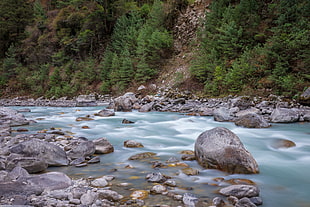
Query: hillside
[70, 47]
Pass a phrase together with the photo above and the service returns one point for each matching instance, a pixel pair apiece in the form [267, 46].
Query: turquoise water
[284, 177]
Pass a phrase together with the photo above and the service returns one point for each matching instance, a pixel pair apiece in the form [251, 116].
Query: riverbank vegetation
[67, 47]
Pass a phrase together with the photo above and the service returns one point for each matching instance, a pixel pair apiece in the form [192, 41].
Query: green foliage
[245, 44]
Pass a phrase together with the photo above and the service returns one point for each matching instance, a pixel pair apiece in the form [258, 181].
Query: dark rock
[305, 97]
[240, 191]
[188, 157]
[132, 144]
[78, 161]
[105, 113]
[81, 148]
[218, 202]
[142, 155]
[103, 146]
[219, 148]
[256, 200]
[284, 115]
[252, 120]
[125, 121]
[52, 154]
[125, 102]
[242, 102]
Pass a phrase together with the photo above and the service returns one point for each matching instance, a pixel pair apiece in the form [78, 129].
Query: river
[284, 178]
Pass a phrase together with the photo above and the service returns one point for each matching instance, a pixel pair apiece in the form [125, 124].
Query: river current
[284, 178]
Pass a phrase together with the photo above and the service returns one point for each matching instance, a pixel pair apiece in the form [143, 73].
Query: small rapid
[284, 172]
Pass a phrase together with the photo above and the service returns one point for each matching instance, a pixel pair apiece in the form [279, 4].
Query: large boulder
[284, 115]
[219, 148]
[252, 120]
[31, 164]
[52, 154]
[11, 117]
[125, 102]
[103, 146]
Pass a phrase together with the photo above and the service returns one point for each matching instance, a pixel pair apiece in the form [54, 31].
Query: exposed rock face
[221, 149]
[103, 146]
[252, 120]
[52, 154]
[284, 115]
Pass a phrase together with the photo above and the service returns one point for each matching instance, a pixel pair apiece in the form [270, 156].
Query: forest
[56, 48]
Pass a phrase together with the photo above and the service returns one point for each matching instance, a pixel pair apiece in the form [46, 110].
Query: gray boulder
[81, 148]
[146, 107]
[305, 97]
[86, 100]
[52, 154]
[252, 120]
[240, 191]
[284, 115]
[103, 146]
[219, 148]
[222, 114]
[31, 164]
[125, 102]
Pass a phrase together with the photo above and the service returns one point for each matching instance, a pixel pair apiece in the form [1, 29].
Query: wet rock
[125, 121]
[188, 157]
[222, 114]
[109, 195]
[284, 115]
[78, 161]
[158, 189]
[252, 120]
[105, 113]
[170, 183]
[142, 155]
[245, 202]
[84, 119]
[81, 148]
[240, 191]
[172, 160]
[103, 146]
[190, 200]
[156, 177]
[219, 148]
[190, 171]
[256, 200]
[132, 144]
[282, 143]
[139, 194]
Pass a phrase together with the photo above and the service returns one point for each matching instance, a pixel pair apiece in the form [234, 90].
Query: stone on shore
[125, 102]
[252, 120]
[284, 115]
[219, 148]
[240, 191]
[103, 146]
[12, 118]
[222, 114]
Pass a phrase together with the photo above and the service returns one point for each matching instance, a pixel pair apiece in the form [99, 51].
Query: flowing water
[284, 178]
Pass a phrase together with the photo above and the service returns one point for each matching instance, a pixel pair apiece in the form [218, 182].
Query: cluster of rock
[243, 110]
[80, 101]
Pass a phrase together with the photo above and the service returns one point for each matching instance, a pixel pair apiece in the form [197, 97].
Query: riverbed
[284, 172]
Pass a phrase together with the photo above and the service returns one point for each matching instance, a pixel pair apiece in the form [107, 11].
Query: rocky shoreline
[24, 158]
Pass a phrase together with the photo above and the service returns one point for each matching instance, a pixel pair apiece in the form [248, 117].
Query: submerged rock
[219, 148]
[142, 155]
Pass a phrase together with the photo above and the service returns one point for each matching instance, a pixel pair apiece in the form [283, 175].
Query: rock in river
[219, 148]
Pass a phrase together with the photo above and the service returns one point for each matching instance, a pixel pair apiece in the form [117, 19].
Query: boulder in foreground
[219, 148]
